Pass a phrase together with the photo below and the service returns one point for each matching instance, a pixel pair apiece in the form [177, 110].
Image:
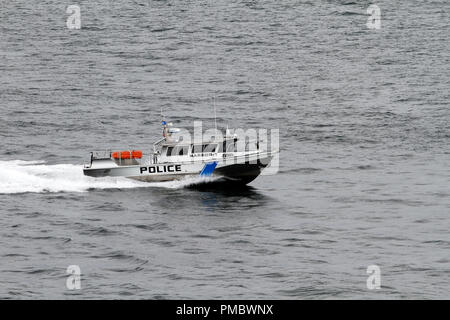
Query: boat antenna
[164, 124]
[215, 117]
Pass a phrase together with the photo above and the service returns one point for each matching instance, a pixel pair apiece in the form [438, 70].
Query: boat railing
[157, 143]
[101, 154]
[98, 155]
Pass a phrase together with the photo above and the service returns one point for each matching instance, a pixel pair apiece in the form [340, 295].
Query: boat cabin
[178, 152]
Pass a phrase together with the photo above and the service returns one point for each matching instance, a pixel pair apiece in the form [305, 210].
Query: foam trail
[185, 182]
[19, 176]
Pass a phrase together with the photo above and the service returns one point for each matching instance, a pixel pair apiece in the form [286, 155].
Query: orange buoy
[137, 154]
[134, 154]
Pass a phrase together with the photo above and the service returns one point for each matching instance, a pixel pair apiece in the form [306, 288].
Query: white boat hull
[240, 170]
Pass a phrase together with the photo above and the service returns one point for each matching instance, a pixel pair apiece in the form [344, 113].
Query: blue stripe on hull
[208, 169]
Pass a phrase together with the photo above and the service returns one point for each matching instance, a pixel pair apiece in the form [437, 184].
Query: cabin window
[181, 151]
[169, 151]
[196, 148]
[229, 146]
[209, 148]
[204, 148]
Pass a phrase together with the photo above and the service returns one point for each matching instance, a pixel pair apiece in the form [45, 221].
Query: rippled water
[364, 129]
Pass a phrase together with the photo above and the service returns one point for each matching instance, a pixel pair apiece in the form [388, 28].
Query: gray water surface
[364, 133]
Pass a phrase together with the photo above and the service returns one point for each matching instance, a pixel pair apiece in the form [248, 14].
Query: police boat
[226, 159]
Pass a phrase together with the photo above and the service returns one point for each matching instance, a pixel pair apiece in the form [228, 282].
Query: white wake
[19, 176]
